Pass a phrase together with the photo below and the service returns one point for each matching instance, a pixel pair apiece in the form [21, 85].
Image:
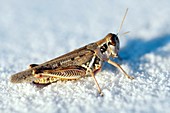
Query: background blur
[37, 31]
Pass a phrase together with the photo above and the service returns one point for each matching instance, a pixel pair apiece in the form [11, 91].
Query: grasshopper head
[108, 46]
[113, 44]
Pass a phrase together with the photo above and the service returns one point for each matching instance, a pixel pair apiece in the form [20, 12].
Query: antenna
[122, 21]
[124, 33]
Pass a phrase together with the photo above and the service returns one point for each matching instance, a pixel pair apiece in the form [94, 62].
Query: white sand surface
[35, 31]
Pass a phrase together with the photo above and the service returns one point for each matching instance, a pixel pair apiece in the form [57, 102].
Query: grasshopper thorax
[108, 46]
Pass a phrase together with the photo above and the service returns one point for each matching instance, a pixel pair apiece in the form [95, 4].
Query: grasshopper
[82, 62]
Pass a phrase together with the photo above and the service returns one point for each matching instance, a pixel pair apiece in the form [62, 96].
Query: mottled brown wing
[76, 57]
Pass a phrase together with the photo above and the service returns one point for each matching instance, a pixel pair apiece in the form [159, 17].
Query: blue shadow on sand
[136, 48]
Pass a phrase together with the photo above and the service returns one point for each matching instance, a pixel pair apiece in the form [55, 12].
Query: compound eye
[115, 41]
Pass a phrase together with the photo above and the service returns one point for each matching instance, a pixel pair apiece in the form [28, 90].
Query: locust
[83, 62]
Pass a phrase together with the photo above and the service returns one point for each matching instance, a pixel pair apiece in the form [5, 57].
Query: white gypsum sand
[37, 31]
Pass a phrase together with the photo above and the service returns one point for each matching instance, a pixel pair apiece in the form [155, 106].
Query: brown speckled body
[82, 62]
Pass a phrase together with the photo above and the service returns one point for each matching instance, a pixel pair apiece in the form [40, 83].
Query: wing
[76, 57]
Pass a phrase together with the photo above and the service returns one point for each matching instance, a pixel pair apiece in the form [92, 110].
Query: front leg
[120, 68]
